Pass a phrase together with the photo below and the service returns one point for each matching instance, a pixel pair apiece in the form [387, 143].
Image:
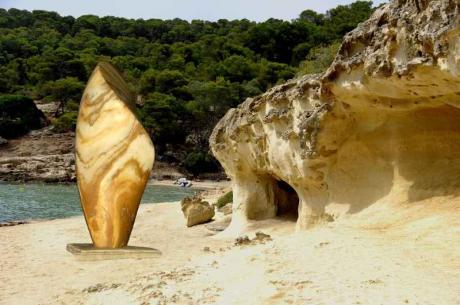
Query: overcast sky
[257, 10]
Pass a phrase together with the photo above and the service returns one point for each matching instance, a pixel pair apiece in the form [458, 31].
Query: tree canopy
[186, 74]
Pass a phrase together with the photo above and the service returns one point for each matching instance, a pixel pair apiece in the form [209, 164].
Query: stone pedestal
[89, 252]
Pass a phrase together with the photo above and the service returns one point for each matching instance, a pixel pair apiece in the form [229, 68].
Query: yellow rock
[379, 130]
[114, 157]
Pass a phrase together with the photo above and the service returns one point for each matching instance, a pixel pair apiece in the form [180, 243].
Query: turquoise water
[50, 201]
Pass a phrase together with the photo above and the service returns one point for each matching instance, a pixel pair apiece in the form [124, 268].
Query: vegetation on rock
[224, 199]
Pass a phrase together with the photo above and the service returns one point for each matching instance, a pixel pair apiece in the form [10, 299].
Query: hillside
[186, 74]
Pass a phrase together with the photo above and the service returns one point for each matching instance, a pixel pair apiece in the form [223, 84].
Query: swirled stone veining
[114, 157]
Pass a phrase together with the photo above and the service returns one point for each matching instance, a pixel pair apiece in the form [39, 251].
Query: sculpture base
[89, 252]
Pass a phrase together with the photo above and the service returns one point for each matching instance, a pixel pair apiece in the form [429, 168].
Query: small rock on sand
[196, 211]
[260, 238]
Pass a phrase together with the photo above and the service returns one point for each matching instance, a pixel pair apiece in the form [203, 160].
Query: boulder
[3, 141]
[196, 211]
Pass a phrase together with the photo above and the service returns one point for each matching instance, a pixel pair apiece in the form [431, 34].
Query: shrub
[198, 162]
[72, 106]
[319, 59]
[19, 115]
[224, 199]
[66, 122]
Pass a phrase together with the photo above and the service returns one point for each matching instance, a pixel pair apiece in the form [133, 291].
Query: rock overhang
[395, 78]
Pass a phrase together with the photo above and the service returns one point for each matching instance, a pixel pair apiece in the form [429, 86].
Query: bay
[35, 201]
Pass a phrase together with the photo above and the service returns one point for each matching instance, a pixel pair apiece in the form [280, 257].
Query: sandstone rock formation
[196, 211]
[380, 127]
[114, 157]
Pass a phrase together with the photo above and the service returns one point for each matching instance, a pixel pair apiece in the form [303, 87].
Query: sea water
[50, 201]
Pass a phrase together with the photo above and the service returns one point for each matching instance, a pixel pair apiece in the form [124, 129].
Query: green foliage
[66, 122]
[344, 18]
[72, 106]
[319, 59]
[186, 74]
[147, 82]
[18, 115]
[62, 90]
[168, 80]
[312, 17]
[160, 114]
[237, 68]
[224, 199]
[200, 162]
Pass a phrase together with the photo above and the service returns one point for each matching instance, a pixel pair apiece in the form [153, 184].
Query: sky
[257, 10]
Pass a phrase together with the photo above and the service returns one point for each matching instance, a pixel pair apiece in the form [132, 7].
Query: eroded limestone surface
[381, 126]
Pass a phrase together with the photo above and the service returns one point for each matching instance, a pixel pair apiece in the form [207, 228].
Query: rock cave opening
[286, 201]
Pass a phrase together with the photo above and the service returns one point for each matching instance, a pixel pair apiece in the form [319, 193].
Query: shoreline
[369, 257]
[15, 223]
[198, 266]
[35, 254]
[209, 184]
[199, 186]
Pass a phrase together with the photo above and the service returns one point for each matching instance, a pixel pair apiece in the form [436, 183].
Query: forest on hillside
[186, 74]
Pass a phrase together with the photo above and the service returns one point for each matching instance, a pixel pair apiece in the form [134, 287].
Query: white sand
[360, 259]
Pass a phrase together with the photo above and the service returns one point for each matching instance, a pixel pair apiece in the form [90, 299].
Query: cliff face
[41, 155]
[380, 128]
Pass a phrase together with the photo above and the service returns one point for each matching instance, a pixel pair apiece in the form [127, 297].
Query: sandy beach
[200, 185]
[364, 259]
[37, 269]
